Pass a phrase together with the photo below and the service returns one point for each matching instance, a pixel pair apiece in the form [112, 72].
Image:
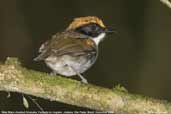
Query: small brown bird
[75, 50]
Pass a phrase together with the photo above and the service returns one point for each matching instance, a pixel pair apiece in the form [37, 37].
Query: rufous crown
[77, 22]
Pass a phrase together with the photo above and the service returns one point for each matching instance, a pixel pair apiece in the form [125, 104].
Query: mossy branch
[13, 77]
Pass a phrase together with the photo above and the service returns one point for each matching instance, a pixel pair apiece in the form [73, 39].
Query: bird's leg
[53, 73]
[84, 80]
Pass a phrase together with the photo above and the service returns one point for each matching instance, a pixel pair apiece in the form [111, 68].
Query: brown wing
[71, 43]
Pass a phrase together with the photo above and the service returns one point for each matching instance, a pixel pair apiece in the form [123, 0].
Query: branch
[166, 2]
[13, 77]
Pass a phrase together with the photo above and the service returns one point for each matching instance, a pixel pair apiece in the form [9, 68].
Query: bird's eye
[94, 27]
[86, 30]
[92, 30]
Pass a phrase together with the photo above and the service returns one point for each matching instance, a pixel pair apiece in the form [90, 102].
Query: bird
[74, 50]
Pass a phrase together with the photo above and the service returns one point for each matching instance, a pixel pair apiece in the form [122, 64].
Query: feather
[64, 43]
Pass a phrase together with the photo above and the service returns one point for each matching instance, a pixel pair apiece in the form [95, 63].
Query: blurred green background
[137, 57]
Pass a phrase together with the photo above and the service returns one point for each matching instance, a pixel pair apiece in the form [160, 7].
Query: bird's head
[91, 26]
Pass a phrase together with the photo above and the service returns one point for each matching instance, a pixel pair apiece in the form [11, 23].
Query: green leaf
[25, 103]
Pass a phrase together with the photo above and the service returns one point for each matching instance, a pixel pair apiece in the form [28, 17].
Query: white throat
[99, 38]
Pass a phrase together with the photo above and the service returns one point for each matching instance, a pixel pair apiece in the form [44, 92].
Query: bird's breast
[63, 65]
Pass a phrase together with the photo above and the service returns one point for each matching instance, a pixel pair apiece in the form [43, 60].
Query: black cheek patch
[91, 29]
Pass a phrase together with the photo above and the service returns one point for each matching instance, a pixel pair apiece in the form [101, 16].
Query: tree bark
[13, 77]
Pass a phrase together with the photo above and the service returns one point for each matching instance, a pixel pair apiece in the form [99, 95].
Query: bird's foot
[53, 73]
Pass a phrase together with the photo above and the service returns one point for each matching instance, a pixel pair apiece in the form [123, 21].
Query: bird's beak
[109, 30]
